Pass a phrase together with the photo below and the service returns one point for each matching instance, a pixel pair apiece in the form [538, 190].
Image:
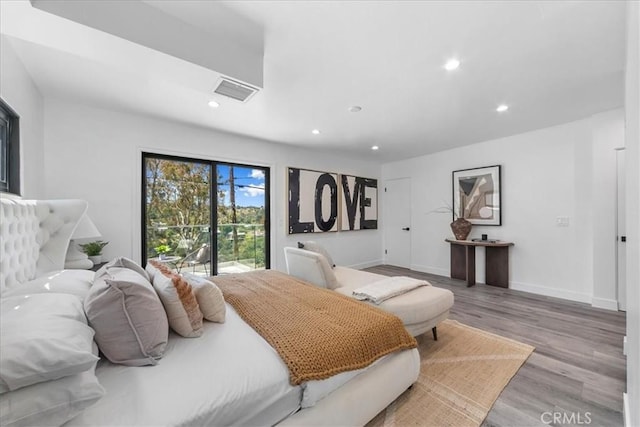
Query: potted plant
[162, 251]
[94, 250]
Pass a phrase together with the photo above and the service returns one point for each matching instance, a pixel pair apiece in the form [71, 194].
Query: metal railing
[241, 247]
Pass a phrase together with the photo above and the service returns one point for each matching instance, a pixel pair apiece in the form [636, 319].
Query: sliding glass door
[183, 200]
[241, 215]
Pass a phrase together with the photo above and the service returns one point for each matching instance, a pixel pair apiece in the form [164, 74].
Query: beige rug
[461, 376]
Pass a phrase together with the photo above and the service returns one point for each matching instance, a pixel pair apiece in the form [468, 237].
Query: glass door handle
[406, 228]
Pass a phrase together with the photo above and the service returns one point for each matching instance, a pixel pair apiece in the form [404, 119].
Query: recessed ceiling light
[213, 104]
[355, 109]
[315, 132]
[451, 64]
[375, 147]
[502, 108]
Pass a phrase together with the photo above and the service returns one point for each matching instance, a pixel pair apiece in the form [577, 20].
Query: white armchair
[310, 267]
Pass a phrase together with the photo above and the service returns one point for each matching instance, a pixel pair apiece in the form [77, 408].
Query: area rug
[461, 376]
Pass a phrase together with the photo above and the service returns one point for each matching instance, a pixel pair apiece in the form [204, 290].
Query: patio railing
[240, 247]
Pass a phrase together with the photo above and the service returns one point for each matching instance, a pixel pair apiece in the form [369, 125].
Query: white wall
[94, 154]
[545, 174]
[608, 134]
[632, 159]
[19, 91]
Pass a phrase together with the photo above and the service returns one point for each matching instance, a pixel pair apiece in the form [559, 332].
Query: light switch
[562, 221]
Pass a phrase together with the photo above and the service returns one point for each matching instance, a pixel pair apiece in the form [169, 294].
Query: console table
[463, 261]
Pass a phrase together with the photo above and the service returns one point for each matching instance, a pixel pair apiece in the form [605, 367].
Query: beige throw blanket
[386, 288]
[317, 332]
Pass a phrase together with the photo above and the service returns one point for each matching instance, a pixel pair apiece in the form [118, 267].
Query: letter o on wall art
[324, 201]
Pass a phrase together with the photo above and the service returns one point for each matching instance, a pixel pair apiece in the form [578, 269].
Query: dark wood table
[463, 261]
[97, 267]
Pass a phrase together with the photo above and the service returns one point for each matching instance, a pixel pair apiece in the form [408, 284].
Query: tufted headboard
[34, 236]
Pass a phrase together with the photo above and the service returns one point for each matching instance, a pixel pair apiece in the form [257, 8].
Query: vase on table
[461, 228]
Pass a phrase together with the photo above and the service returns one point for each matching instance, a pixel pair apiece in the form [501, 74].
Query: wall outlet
[562, 221]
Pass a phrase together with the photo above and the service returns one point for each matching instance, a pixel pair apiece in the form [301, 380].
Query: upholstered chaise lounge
[420, 309]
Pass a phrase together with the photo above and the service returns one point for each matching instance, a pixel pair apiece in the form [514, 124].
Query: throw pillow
[43, 337]
[179, 302]
[123, 262]
[125, 311]
[312, 246]
[50, 403]
[209, 296]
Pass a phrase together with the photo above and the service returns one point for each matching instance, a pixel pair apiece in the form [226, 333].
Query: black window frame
[213, 191]
[10, 149]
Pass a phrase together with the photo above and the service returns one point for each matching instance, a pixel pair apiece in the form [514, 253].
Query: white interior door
[621, 280]
[397, 222]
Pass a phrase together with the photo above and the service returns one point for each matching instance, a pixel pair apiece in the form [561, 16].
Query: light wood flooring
[577, 366]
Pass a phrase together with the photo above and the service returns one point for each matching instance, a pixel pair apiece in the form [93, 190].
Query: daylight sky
[249, 185]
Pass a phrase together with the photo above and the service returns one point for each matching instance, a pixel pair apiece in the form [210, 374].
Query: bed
[229, 375]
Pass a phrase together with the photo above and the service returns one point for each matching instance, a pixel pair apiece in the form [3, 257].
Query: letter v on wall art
[323, 201]
[359, 203]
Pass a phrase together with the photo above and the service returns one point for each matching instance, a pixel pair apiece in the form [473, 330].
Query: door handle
[623, 238]
[406, 228]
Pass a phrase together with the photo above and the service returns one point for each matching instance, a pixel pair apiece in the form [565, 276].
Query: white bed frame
[35, 235]
[363, 397]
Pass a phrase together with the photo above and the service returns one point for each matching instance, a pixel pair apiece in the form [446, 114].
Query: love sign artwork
[322, 201]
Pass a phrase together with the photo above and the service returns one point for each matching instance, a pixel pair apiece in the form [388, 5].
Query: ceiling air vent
[233, 89]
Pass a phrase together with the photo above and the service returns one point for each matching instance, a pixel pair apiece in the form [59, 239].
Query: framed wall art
[359, 203]
[476, 195]
[312, 201]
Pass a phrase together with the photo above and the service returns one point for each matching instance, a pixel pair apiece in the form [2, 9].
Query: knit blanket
[318, 333]
[386, 288]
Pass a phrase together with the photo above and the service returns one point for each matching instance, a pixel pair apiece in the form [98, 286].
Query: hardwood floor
[577, 372]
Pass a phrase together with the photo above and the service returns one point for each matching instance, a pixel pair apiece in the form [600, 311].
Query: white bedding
[216, 395]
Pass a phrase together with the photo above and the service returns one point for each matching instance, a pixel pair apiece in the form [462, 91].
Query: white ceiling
[551, 62]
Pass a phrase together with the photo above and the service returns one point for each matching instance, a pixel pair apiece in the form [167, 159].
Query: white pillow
[74, 282]
[151, 271]
[312, 246]
[44, 337]
[51, 403]
[209, 296]
[180, 303]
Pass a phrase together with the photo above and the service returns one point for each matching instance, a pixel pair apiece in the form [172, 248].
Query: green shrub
[93, 248]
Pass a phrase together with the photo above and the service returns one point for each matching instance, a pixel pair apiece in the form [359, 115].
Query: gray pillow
[123, 262]
[312, 246]
[125, 311]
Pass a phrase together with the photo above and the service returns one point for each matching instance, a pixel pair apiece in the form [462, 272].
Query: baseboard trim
[607, 304]
[551, 292]
[431, 270]
[366, 264]
[625, 410]
[527, 287]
